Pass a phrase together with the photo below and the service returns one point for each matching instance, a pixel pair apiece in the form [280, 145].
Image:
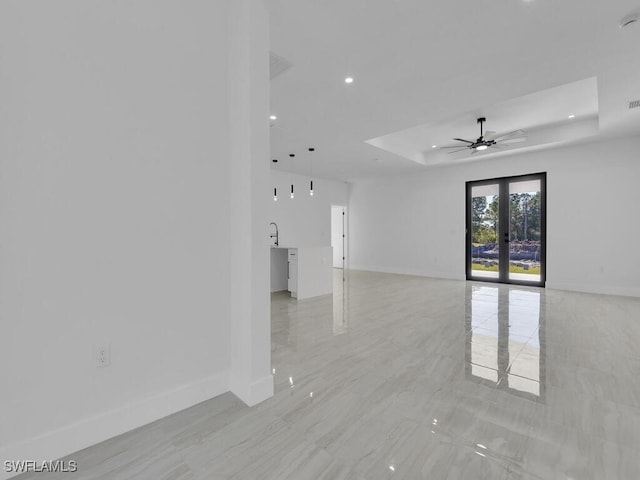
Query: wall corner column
[250, 342]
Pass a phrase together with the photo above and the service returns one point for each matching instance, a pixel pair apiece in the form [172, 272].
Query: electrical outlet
[103, 355]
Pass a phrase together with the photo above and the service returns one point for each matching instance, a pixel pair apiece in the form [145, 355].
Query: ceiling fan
[488, 140]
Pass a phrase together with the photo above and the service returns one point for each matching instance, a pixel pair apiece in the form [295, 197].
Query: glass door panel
[506, 230]
[485, 217]
[525, 229]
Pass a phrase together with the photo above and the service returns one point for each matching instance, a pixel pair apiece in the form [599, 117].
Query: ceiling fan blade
[463, 140]
[454, 146]
[509, 141]
[456, 151]
[489, 135]
[515, 133]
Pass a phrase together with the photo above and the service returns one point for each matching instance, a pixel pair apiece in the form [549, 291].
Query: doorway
[506, 230]
[338, 235]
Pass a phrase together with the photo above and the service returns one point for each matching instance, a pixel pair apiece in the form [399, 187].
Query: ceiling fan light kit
[628, 20]
[487, 140]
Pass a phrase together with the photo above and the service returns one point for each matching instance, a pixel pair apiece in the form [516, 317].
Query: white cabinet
[279, 269]
[307, 271]
[292, 277]
[315, 271]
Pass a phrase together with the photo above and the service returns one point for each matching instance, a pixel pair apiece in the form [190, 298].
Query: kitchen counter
[306, 272]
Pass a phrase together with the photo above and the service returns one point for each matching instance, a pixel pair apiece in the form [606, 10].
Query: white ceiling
[424, 71]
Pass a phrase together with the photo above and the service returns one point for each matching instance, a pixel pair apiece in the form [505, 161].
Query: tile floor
[401, 377]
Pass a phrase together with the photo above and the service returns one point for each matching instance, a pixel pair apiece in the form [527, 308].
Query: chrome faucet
[276, 235]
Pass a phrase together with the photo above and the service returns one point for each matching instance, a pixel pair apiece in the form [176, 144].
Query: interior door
[506, 230]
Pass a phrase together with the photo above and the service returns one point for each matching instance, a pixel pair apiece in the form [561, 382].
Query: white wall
[114, 217]
[304, 221]
[415, 224]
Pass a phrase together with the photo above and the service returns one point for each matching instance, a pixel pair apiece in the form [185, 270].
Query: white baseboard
[408, 271]
[597, 289]
[574, 287]
[90, 431]
[253, 393]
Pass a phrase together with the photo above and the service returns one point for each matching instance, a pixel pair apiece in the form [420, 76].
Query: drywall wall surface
[416, 224]
[305, 220]
[115, 207]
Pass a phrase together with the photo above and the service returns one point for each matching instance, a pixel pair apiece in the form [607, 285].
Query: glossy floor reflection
[421, 378]
[401, 377]
[505, 339]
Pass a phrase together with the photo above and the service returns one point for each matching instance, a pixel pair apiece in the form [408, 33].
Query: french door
[506, 230]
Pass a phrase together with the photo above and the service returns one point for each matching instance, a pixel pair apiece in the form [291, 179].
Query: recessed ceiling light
[572, 116]
[434, 146]
[348, 80]
[273, 117]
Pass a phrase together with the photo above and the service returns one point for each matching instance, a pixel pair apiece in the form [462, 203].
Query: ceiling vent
[634, 104]
[278, 65]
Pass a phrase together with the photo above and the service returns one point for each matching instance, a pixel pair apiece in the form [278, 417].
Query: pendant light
[275, 189]
[311, 150]
[291, 155]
